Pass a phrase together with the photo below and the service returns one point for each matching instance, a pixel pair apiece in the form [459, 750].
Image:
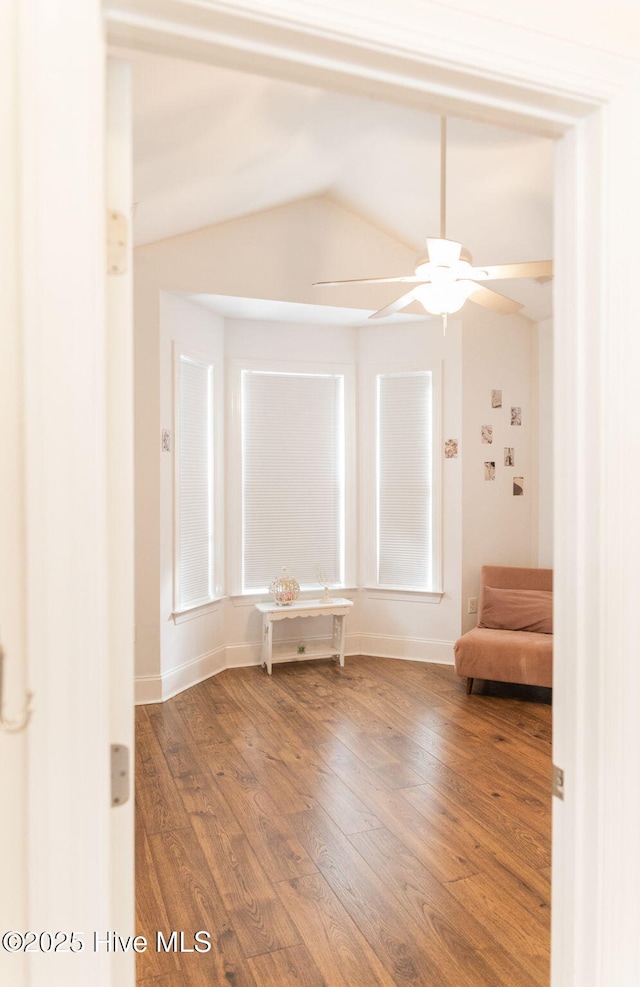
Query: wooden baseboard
[159, 688]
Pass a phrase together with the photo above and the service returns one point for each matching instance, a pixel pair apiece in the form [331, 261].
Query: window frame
[216, 424]
[369, 473]
[234, 474]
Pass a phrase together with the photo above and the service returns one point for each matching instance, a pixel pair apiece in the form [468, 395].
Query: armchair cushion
[517, 610]
[512, 656]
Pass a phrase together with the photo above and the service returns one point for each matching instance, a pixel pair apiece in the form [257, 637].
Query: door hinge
[117, 242]
[557, 782]
[120, 774]
[21, 722]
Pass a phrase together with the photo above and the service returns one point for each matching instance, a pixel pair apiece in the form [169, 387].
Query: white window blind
[293, 487]
[194, 576]
[404, 480]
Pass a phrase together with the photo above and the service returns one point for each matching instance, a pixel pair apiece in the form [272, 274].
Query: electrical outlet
[472, 605]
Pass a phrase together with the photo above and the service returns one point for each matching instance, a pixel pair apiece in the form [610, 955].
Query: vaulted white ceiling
[213, 144]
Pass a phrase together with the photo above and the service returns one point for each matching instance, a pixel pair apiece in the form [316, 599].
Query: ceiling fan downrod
[443, 178]
[443, 195]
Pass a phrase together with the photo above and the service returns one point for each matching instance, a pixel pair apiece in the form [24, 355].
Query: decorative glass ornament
[284, 589]
[325, 581]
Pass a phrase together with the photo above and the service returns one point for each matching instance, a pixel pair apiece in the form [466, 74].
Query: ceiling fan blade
[394, 306]
[410, 279]
[493, 300]
[534, 269]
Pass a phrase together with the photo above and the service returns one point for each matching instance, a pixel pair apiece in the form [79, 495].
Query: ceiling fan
[445, 277]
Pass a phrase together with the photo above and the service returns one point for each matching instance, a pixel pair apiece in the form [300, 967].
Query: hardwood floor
[368, 826]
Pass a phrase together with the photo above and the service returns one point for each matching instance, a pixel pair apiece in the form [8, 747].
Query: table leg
[267, 643]
[339, 637]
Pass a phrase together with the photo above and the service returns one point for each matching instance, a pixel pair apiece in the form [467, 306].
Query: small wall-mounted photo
[516, 416]
[489, 471]
[451, 449]
[518, 486]
[509, 456]
[486, 432]
[496, 399]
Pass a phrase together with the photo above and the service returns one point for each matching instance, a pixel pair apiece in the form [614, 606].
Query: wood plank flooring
[370, 826]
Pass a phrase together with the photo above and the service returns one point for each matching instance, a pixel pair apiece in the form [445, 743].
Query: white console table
[333, 647]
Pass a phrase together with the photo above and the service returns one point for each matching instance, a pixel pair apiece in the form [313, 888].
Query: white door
[119, 399]
[66, 869]
[13, 749]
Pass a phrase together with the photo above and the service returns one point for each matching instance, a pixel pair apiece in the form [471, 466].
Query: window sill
[408, 595]
[180, 616]
[250, 599]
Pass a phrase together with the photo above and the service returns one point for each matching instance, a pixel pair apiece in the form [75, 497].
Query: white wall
[498, 528]
[228, 633]
[279, 254]
[391, 625]
[276, 254]
[255, 258]
[171, 651]
[191, 649]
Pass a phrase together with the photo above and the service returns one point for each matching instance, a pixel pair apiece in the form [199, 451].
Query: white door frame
[442, 57]
[120, 501]
[13, 606]
[58, 146]
[433, 55]
[66, 503]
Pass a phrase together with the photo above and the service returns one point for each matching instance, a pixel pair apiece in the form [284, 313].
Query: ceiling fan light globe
[424, 271]
[444, 298]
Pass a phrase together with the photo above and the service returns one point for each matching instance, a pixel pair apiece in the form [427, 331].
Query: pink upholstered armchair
[513, 641]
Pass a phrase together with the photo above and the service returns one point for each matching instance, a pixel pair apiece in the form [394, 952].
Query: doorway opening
[294, 212]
